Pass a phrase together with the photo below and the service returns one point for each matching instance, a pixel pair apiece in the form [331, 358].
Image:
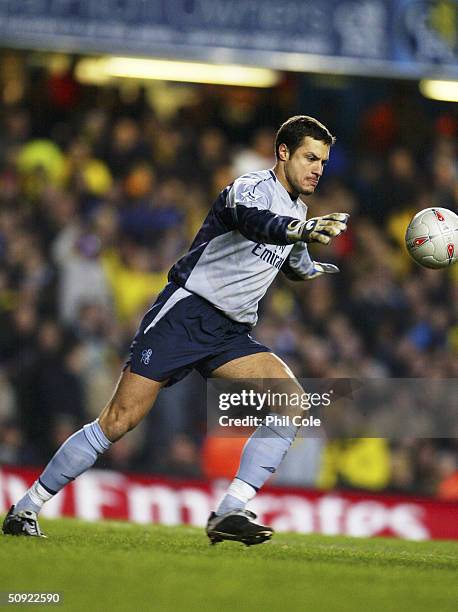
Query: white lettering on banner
[198, 505]
[405, 521]
[96, 489]
[264, 505]
[154, 504]
[330, 511]
[365, 519]
[15, 487]
[99, 494]
[3, 502]
[296, 514]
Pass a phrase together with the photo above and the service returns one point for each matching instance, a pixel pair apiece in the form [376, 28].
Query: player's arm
[300, 266]
[250, 214]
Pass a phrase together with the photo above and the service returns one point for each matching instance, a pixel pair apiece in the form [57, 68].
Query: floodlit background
[108, 165]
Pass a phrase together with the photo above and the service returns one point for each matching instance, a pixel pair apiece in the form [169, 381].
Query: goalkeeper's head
[302, 148]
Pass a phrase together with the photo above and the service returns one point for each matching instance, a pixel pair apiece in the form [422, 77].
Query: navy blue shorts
[182, 331]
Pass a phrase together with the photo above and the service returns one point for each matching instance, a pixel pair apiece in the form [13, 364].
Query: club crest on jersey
[146, 356]
[249, 195]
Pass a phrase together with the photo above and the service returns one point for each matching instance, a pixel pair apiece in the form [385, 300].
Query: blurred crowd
[101, 190]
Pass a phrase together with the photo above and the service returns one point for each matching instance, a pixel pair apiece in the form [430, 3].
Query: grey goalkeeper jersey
[250, 233]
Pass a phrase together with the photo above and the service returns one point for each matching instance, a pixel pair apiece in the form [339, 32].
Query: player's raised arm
[250, 205]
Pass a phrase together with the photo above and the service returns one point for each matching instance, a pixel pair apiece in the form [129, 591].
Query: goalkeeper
[203, 318]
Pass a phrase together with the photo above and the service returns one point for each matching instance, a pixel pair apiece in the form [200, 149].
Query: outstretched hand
[322, 229]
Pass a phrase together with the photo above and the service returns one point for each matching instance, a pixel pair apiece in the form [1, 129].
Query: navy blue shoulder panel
[218, 221]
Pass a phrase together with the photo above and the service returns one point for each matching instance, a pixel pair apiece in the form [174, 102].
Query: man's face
[304, 168]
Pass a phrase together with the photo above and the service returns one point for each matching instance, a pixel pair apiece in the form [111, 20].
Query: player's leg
[262, 454]
[131, 401]
[259, 365]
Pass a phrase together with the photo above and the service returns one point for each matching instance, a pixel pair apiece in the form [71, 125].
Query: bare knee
[287, 396]
[132, 400]
[117, 419]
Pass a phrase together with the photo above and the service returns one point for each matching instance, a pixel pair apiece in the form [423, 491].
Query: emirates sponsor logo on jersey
[272, 256]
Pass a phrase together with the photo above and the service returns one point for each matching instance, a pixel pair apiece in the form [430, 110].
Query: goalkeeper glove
[321, 268]
[322, 229]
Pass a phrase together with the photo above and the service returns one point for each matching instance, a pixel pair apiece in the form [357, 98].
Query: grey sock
[261, 456]
[75, 456]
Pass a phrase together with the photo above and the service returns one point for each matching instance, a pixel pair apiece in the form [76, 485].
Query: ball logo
[431, 238]
[438, 215]
[146, 356]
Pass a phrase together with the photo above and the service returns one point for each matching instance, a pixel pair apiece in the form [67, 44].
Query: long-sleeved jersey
[250, 233]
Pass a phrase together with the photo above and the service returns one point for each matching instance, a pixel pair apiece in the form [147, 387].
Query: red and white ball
[432, 238]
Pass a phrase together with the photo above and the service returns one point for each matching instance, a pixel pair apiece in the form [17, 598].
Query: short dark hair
[295, 129]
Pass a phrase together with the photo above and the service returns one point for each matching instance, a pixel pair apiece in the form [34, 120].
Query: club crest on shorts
[146, 356]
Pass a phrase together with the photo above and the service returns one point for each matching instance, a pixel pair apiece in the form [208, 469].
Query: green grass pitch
[121, 566]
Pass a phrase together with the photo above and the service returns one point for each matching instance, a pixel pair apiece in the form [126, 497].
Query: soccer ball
[432, 238]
